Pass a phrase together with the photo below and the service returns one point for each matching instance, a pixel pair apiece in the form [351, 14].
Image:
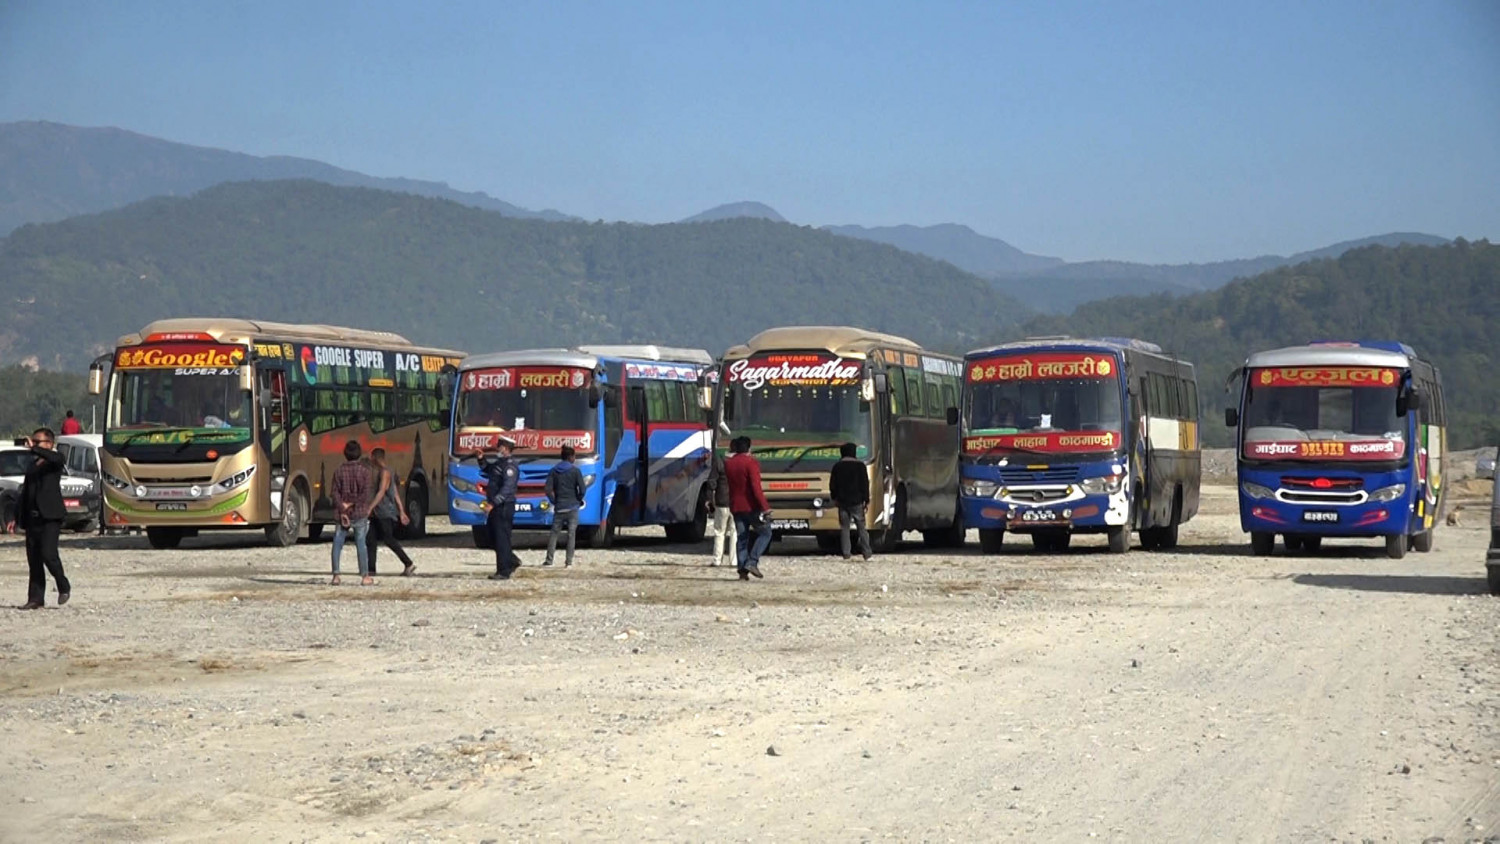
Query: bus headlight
[980, 489]
[1257, 491]
[1104, 485]
[230, 483]
[115, 483]
[1388, 493]
[461, 485]
[588, 480]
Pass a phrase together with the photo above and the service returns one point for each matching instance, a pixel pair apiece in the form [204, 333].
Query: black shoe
[755, 570]
[500, 575]
[62, 597]
[31, 605]
[546, 562]
[744, 575]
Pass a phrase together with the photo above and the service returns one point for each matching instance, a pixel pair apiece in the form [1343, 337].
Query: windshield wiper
[805, 451]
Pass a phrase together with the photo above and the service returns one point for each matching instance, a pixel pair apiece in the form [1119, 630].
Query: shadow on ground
[1409, 584]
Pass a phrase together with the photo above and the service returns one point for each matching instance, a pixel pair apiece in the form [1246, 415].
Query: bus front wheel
[286, 532]
[1395, 546]
[164, 538]
[992, 540]
[416, 515]
[1422, 542]
[598, 536]
[1119, 539]
[1262, 544]
[482, 538]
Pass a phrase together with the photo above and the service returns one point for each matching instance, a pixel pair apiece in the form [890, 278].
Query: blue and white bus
[1065, 436]
[634, 414]
[1340, 439]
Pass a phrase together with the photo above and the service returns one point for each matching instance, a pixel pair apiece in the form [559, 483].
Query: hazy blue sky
[1137, 130]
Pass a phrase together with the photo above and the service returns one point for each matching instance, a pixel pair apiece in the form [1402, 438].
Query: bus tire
[891, 536]
[164, 538]
[1422, 542]
[1119, 539]
[1492, 573]
[692, 532]
[315, 531]
[600, 536]
[1262, 544]
[1395, 546]
[482, 538]
[416, 514]
[294, 513]
[992, 540]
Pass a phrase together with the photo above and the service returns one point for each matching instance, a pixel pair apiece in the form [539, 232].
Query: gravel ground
[225, 692]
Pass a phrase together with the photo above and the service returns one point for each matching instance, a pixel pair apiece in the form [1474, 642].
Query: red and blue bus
[1065, 436]
[633, 414]
[1340, 439]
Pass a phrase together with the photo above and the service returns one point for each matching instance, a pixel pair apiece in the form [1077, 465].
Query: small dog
[1453, 515]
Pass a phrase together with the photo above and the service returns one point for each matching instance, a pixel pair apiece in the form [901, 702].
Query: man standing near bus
[849, 487]
[71, 426]
[501, 476]
[565, 492]
[351, 502]
[718, 502]
[752, 512]
[40, 514]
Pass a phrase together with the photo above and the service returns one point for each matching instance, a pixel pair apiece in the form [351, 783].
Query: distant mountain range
[459, 277]
[49, 172]
[733, 210]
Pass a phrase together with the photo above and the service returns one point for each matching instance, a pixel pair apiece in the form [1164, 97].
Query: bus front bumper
[1072, 511]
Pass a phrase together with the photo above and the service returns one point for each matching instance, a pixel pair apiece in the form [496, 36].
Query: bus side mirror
[611, 397]
[96, 378]
[705, 398]
[1231, 417]
[952, 416]
[267, 397]
[247, 379]
[1408, 401]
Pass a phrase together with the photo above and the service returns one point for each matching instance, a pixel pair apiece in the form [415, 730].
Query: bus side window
[934, 396]
[914, 398]
[1193, 410]
[656, 401]
[896, 382]
[950, 394]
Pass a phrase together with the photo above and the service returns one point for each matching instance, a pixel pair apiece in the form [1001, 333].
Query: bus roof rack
[1123, 342]
[669, 354]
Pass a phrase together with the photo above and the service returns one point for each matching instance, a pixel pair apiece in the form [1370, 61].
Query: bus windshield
[1321, 421]
[539, 420]
[1043, 403]
[180, 398]
[799, 426]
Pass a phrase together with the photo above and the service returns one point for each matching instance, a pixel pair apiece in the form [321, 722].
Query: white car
[1484, 467]
[76, 491]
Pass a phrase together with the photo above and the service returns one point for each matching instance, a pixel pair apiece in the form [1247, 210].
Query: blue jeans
[359, 529]
[749, 552]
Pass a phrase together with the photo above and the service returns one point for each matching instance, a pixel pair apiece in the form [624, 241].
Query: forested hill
[443, 273]
[1442, 300]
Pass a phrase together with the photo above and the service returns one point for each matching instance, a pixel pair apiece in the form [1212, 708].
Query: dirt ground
[225, 692]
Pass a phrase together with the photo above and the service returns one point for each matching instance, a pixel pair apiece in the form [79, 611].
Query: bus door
[641, 423]
[271, 405]
[1141, 449]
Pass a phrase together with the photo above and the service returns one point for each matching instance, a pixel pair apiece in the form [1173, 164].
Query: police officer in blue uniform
[501, 475]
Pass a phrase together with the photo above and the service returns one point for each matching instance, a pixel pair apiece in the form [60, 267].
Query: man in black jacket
[849, 487]
[40, 513]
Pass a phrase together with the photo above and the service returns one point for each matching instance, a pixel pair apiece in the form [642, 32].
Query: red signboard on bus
[1037, 367]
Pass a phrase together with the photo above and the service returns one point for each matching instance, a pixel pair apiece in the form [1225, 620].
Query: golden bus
[801, 392]
[223, 424]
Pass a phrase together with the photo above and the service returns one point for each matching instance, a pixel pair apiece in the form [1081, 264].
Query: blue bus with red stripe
[1340, 439]
[634, 415]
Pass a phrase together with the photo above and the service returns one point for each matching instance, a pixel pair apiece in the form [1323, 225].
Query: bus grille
[1020, 476]
[1301, 496]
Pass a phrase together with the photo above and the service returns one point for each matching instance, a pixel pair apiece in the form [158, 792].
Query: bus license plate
[1039, 517]
[172, 505]
[523, 506]
[789, 524]
[1323, 516]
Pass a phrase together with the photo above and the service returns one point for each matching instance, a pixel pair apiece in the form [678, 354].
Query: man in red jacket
[747, 501]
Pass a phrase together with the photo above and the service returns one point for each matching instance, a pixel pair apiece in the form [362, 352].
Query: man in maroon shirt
[351, 502]
[747, 501]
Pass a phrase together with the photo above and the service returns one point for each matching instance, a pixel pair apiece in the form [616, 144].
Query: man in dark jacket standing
[849, 487]
[40, 513]
[501, 477]
[747, 501]
[564, 489]
[718, 502]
